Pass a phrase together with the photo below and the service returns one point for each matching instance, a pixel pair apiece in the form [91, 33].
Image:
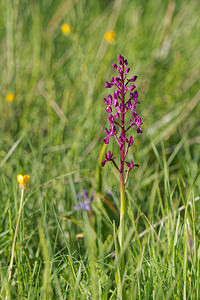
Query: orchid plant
[124, 99]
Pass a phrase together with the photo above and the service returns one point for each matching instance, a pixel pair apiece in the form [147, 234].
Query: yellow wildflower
[23, 180]
[109, 36]
[65, 28]
[10, 97]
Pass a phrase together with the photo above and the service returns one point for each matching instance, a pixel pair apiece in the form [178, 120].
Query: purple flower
[131, 165]
[110, 133]
[116, 115]
[109, 109]
[138, 122]
[108, 157]
[127, 70]
[116, 95]
[132, 79]
[112, 80]
[85, 204]
[106, 140]
[108, 85]
[122, 140]
[82, 205]
[116, 103]
[111, 119]
[129, 105]
[134, 95]
[130, 142]
[132, 87]
[120, 59]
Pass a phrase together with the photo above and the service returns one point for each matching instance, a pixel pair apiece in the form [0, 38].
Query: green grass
[53, 131]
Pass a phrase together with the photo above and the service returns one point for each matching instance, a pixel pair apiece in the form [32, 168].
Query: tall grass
[53, 131]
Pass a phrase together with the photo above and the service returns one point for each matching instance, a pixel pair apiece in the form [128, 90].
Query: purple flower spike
[117, 107]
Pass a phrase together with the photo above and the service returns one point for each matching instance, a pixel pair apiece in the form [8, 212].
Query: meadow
[52, 120]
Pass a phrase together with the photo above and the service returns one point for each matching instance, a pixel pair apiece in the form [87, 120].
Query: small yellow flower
[23, 180]
[10, 97]
[65, 28]
[109, 36]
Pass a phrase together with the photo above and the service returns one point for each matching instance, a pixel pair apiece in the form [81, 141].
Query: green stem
[15, 235]
[122, 214]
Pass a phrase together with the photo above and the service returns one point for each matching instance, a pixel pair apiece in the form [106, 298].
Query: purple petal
[106, 101]
[107, 84]
[116, 115]
[106, 131]
[109, 109]
[135, 94]
[133, 78]
[116, 103]
[127, 70]
[110, 99]
[130, 142]
[106, 140]
[119, 70]
[116, 95]
[111, 119]
[120, 59]
[132, 87]
[112, 80]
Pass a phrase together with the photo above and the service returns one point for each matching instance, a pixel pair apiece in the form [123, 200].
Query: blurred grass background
[53, 131]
